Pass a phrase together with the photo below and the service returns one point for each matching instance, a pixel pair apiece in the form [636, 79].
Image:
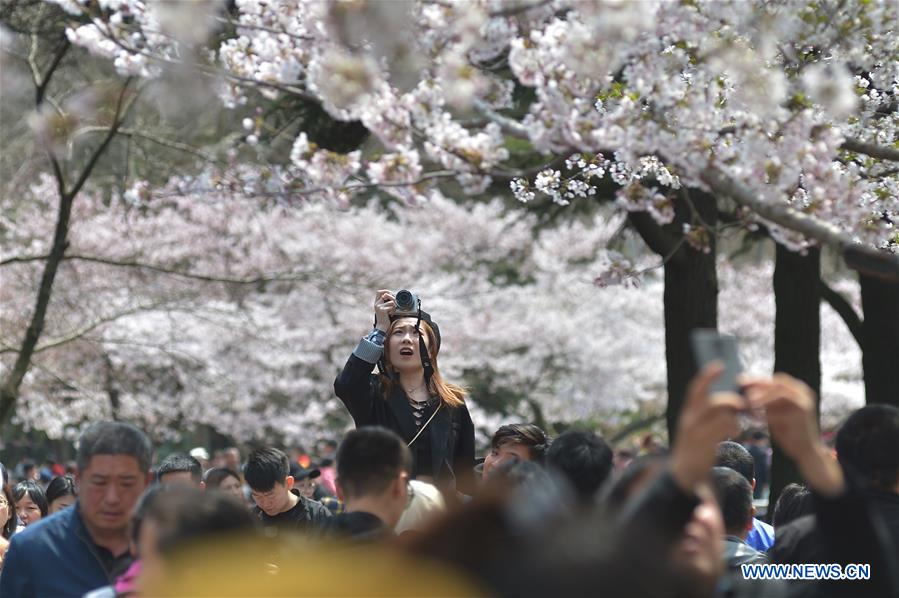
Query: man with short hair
[373, 467]
[734, 495]
[84, 547]
[584, 458]
[522, 442]
[179, 468]
[278, 503]
[735, 456]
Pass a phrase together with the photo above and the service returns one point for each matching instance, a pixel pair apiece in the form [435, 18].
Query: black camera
[407, 304]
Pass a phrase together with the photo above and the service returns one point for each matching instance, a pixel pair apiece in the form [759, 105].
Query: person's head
[402, 346]
[224, 480]
[868, 447]
[30, 471]
[734, 455]
[170, 518]
[795, 500]
[31, 502]
[402, 355]
[373, 465]
[304, 478]
[698, 552]
[522, 442]
[179, 468]
[584, 458]
[327, 448]
[232, 458]
[202, 455]
[734, 495]
[267, 473]
[61, 493]
[7, 512]
[113, 462]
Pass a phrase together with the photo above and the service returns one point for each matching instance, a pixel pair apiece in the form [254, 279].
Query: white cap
[199, 453]
[426, 504]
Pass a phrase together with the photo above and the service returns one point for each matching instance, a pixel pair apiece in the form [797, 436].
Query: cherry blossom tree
[693, 117]
[249, 336]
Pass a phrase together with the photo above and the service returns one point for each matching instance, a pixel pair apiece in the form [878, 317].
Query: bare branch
[77, 334]
[656, 238]
[284, 277]
[9, 390]
[509, 126]
[843, 309]
[116, 123]
[871, 149]
[857, 256]
[45, 80]
[284, 32]
[125, 132]
[512, 9]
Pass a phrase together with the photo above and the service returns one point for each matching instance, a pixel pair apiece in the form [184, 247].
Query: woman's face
[231, 485]
[402, 345]
[306, 486]
[61, 503]
[28, 510]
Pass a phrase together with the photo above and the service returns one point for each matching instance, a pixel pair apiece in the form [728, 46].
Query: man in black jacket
[868, 450]
[278, 503]
[372, 472]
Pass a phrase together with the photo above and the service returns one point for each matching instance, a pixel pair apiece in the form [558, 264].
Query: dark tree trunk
[797, 339]
[691, 290]
[880, 340]
[691, 301]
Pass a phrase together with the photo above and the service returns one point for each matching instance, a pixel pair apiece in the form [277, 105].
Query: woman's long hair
[10, 526]
[450, 395]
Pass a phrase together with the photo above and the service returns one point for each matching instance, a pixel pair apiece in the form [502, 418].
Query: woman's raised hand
[385, 306]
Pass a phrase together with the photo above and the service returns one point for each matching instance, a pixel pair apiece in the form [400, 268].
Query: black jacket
[451, 431]
[358, 526]
[306, 515]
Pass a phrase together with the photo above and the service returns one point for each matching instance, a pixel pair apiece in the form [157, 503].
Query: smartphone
[708, 346]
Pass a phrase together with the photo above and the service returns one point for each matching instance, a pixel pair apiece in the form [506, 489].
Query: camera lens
[404, 301]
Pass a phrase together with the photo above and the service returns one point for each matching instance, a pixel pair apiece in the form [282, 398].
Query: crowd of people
[401, 505]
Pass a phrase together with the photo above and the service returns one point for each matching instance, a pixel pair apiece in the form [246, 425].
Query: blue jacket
[53, 557]
[761, 536]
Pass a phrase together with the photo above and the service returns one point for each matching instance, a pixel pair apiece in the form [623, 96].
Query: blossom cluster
[765, 92]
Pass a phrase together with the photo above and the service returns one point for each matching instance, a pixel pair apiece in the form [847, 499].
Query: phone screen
[709, 346]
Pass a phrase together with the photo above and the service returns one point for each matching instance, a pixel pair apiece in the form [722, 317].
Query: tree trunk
[691, 289]
[691, 301]
[880, 340]
[797, 339]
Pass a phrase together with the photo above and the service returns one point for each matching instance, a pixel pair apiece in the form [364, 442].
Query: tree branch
[161, 269]
[154, 138]
[42, 85]
[871, 149]
[858, 257]
[843, 309]
[77, 334]
[512, 9]
[9, 391]
[509, 126]
[655, 237]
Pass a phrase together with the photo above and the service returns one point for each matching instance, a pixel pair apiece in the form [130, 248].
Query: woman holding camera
[408, 395]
